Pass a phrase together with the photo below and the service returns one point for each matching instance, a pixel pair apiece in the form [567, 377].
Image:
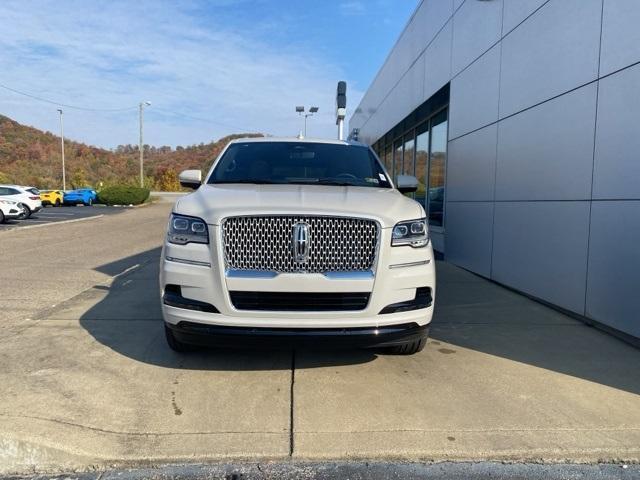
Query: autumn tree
[168, 181]
[79, 178]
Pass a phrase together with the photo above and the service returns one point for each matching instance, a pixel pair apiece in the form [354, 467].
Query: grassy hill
[29, 156]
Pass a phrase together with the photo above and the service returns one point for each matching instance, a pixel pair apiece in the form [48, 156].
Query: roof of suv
[297, 140]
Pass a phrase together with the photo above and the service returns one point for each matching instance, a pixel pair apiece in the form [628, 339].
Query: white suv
[9, 210]
[27, 197]
[292, 240]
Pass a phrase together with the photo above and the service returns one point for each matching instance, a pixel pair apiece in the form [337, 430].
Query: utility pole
[64, 175]
[141, 146]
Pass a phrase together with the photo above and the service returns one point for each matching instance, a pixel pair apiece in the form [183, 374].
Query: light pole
[300, 111]
[64, 176]
[141, 147]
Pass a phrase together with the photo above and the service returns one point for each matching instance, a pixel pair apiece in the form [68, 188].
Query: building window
[397, 159]
[408, 160]
[417, 145]
[437, 168]
[388, 159]
[408, 157]
[422, 156]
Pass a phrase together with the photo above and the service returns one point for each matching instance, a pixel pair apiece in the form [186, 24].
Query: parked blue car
[85, 196]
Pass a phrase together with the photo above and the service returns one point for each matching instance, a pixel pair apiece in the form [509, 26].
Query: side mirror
[190, 178]
[407, 183]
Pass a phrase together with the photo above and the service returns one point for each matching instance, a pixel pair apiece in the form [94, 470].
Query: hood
[214, 202]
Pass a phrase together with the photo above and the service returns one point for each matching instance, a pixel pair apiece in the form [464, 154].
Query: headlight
[183, 230]
[411, 232]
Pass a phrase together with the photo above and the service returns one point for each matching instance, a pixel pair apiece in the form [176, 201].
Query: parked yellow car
[51, 197]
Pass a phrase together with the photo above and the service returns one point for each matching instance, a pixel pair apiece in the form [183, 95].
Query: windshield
[299, 163]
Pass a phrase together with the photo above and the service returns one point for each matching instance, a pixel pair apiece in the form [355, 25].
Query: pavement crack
[138, 434]
[473, 430]
[291, 402]
[262, 473]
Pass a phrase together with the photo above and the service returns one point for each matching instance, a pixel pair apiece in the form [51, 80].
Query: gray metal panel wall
[476, 27]
[617, 158]
[471, 166]
[553, 51]
[475, 94]
[540, 248]
[614, 257]
[546, 153]
[543, 173]
[620, 35]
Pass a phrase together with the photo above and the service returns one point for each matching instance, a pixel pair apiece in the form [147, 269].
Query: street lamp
[300, 111]
[141, 147]
[64, 179]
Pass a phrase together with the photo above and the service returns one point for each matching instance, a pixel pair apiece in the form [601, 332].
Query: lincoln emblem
[301, 242]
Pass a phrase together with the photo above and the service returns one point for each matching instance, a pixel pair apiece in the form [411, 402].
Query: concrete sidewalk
[90, 384]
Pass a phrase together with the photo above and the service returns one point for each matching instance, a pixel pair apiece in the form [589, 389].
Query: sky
[208, 67]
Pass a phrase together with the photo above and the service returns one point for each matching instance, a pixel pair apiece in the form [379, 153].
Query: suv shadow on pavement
[472, 315]
[126, 317]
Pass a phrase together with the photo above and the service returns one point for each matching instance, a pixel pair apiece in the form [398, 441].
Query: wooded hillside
[29, 156]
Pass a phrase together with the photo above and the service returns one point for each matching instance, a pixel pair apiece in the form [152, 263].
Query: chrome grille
[339, 244]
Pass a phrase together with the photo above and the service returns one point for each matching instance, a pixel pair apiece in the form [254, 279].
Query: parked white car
[9, 210]
[304, 240]
[27, 197]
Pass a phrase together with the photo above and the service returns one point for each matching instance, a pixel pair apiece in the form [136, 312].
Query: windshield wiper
[340, 183]
[325, 181]
[293, 181]
[255, 182]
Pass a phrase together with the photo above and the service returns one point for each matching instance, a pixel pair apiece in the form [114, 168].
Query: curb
[74, 220]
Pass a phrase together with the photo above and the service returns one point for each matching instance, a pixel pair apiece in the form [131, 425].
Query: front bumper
[402, 274]
[223, 336]
[12, 214]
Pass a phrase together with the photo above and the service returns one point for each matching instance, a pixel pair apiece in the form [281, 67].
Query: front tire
[26, 212]
[2, 219]
[175, 344]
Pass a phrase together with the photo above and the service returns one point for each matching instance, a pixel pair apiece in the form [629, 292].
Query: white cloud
[352, 7]
[121, 53]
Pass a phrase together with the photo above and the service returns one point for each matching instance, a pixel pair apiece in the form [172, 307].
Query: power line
[203, 120]
[155, 109]
[75, 107]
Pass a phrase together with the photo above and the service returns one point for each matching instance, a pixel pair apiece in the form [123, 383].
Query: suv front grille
[335, 244]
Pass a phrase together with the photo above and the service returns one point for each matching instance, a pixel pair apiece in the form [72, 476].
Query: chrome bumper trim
[235, 273]
[187, 262]
[355, 275]
[410, 264]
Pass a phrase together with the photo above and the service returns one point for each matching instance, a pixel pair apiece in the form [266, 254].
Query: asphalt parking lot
[50, 215]
[88, 382]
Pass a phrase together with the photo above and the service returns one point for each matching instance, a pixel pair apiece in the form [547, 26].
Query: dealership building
[521, 121]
